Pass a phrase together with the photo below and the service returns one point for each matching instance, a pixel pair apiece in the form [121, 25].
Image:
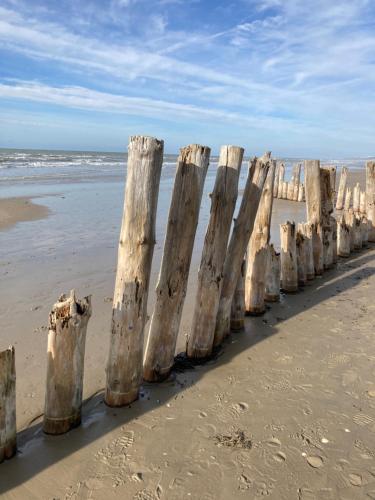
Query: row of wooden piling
[294, 190]
[238, 272]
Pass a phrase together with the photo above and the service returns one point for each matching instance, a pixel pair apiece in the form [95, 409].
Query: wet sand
[21, 209]
[283, 392]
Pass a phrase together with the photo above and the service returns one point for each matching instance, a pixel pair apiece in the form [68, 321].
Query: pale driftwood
[301, 192]
[307, 230]
[223, 202]
[370, 198]
[178, 247]
[314, 210]
[65, 363]
[349, 221]
[284, 194]
[362, 202]
[257, 249]
[290, 190]
[356, 197]
[342, 188]
[327, 201]
[288, 259]
[276, 182]
[237, 315]
[357, 232]
[243, 227]
[281, 180]
[332, 175]
[272, 281]
[364, 230]
[343, 237]
[297, 180]
[135, 252]
[348, 198]
[301, 258]
[8, 444]
[334, 238]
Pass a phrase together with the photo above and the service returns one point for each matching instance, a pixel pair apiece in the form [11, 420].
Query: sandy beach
[286, 407]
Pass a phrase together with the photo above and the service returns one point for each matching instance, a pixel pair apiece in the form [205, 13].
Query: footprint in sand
[234, 411]
[280, 457]
[145, 495]
[355, 479]
[315, 461]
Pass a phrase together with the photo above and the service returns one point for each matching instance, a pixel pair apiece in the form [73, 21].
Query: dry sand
[20, 209]
[286, 411]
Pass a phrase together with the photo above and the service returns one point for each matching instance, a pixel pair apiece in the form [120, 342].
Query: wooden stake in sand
[327, 200]
[257, 249]
[178, 247]
[357, 232]
[8, 445]
[301, 258]
[362, 202]
[356, 197]
[297, 179]
[223, 202]
[364, 230]
[342, 187]
[281, 180]
[66, 351]
[237, 315]
[348, 198]
[284, 194]
[243, 227]
[343, 238]
[370, 198]
[349, 221]
[307, 230]
[334, 238]
[301, 192]
[290, 191]
[272, 286]
[332, 175]
[276, 183]
[135, 252]
[289, 269]
[314, 210]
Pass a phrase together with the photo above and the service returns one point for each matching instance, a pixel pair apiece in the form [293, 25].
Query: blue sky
[293, 76]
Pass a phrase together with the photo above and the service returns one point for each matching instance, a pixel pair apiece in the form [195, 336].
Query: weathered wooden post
[357, 232]
[272, 285]
[327, 201]
[284, 194]
[343, 237]
[314, 209]
[332, 175]
[342, 187]
[243, 227]
[291, 185]
[362, 202]
[178, 247]
[364, 231]
[289, 269]
[301, 192]
[276, 182]
[66, 352]
[223, 202]
[348, 198]
[281, 180]
[237, 315]
[301, 258]
[370, 198]
[135, 252]
[8, 444]
[334, 239]
[349, 221]
[356, 197]
[307, 229]
[297, 179]
[257, 249]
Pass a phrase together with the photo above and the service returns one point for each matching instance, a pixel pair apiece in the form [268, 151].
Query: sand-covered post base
[289, 267]
[301, 258]
[343, 238]
[65, 363]
[8, 445]
[272, 280]
[307, 229]
[237, 316]
[357, 232]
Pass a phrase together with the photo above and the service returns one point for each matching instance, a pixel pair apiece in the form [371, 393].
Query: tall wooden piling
[301, 258]
[237, 315]
[314, 209]
[343, 237]
[332, 175]
[370, 198]
[307, 229]
[348, 198]
[362, 202]
[327, 202]
[289, 267]
[334, 239]
[284, 194]
[276, 182]
[357, 232]
[178, 247]
[356, 197]
[297, 181]
[8, 443]
[364, 230]
[291, 185]
[342, 188]
[281, 180]
[65, 363]
[272, 281]
[349, 221]
[257, 249]
[135, 252]
[223, 202]
[301, 192]
[243, 227]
